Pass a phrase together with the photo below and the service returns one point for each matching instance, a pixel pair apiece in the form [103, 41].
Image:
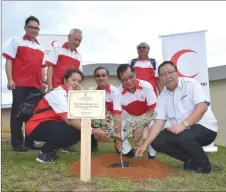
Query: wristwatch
[187, 126]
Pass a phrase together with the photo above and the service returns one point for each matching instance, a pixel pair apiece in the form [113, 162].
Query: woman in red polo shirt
[52, 126]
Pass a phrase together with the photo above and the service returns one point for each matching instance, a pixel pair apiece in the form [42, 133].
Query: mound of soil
[139, 169]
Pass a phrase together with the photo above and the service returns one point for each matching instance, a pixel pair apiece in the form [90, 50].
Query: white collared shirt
[174, 107]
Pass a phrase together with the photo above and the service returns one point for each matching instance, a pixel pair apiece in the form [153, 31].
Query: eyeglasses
[34, 28]
[167, 74]
[131, 77]
[98, 75]
[141, 47]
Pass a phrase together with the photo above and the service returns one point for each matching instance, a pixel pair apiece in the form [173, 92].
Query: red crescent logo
[175, 58]
[52, 44]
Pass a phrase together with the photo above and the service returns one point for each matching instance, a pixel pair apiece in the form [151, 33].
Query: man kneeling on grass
[184, 106]
[52, 126]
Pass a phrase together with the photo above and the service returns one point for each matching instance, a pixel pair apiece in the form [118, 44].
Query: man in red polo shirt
[146, 70]
[25, 74]
[62, 57]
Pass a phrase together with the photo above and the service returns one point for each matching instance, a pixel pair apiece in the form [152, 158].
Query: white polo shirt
[137, 103]
[174, 107]
[109, 95]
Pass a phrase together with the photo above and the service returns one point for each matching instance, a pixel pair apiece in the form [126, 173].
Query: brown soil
[103, 140]
[139, 169]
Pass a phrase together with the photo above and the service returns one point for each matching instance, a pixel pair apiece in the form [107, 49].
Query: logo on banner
[175, 58]
[55, 43]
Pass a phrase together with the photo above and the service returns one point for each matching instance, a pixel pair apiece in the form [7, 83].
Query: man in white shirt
[192, 124]
[135, 97]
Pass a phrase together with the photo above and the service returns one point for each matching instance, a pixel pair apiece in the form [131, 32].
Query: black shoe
[130, 154]
[189, 165]
[151, 157]
[46, 157]
[202, 167]
[19, 149]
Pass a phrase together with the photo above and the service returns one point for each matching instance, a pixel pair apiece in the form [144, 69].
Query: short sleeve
[198, 95]
[161, 109]
[150, 95]
[57, 99]
[52, 58]
[11, 51]
[117, 104]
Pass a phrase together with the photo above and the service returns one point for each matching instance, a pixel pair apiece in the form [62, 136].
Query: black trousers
[17, 138]
[56, 135]
[186, 145]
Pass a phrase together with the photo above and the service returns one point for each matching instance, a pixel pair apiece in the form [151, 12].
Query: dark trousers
[186, 145]
[56, 135]
[17, 138]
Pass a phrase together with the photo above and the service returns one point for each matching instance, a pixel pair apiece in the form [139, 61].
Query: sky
[112, 29]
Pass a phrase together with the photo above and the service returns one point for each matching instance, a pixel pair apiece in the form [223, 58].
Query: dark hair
[68, 73]
[31, 18]
[99, 68]
[122, 68]
[167, 63]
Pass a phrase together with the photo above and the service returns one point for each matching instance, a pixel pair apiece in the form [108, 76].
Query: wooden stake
[85, 159]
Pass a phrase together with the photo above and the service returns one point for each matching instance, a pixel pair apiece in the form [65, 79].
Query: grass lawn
[20, 172]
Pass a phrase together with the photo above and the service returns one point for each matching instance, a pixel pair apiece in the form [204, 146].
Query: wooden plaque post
[86, 105]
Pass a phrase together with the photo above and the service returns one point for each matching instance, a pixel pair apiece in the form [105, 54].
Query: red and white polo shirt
[28, 60]
[145, 71]
[57, 99]
[109, 95]
[61, 58]
[137, 103]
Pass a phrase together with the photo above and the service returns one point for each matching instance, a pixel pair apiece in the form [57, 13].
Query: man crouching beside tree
[193, 125]
[136, 98]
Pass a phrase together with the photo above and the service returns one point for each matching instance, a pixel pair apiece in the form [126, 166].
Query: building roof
[217, 73]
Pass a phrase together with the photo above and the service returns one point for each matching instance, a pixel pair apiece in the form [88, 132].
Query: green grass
[20, 172]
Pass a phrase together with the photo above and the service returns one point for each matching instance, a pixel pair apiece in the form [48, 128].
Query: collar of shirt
[65, 45]
[137, 86]
[145, 59]
[180, 85]
[107, 88]
[64, 87]
[25, 37]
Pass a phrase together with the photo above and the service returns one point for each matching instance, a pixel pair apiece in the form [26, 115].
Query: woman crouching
[52, 126]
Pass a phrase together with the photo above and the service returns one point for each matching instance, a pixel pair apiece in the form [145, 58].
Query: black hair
[99, 68]
[31, 18]
[68, 73]
[167, 63]
[122, 68]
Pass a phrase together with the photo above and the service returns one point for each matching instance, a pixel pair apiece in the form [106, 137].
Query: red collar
[64, 87]
[137, 86]
[65, 45]
[145, 59]
[107, 88]
[25, 37]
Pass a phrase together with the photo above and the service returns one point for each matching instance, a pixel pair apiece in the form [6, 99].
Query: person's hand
[118, 145]
[99, 132]
[44, 86]
[140, 151]
[50, 88]
[137, 134]
[176, 128]
[11, 85]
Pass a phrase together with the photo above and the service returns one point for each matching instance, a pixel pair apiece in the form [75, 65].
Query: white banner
[188, 52]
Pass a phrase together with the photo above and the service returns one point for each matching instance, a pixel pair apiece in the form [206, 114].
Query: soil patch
[138, 169]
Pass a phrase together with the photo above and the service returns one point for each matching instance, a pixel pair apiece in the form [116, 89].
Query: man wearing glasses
[60, 59]
[25, 74]
[192, 124]
[135, 97]
[145, 68]
[101, 76]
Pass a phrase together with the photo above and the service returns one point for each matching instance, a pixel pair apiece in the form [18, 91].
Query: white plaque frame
[86, 104]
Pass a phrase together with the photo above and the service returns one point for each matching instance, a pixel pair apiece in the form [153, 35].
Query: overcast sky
[111, 29]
